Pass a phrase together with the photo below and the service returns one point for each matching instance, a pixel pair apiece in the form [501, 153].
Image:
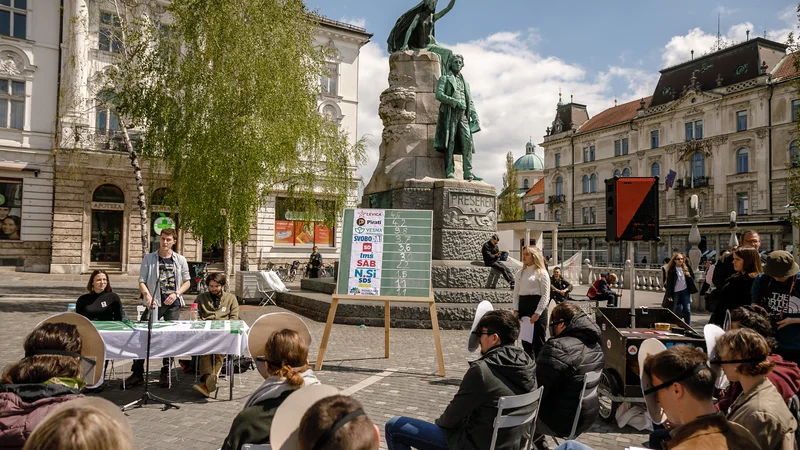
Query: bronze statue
[457, 119]
[416, 28]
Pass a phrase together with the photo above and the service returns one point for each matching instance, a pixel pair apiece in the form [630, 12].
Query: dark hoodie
[469, 418]
[785, 377]
[560, 368]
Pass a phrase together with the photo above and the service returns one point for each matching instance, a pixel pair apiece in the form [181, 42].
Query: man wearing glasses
[724, 268]
[468, 422]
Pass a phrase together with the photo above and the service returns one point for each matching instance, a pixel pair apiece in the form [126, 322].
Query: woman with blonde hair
[279, 342]
[531, 296]
[680, 287]
[742, 354]
[737, 289]
[84, 424]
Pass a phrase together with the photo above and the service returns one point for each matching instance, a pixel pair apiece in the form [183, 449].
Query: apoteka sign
[162, 223]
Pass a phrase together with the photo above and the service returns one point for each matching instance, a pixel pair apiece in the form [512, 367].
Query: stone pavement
[400, 385]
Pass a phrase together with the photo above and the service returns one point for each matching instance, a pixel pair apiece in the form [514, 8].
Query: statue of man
[457, 119]
[416, 28]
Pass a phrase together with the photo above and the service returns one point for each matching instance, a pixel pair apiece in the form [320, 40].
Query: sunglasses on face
[553, 324]
[479, 332]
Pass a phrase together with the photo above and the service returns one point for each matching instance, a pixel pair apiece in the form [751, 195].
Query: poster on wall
[304, 233]
[284, 232]
[322, 235]
[366, 254]
[10, 209]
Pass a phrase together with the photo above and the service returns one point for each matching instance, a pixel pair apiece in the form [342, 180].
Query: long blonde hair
[536, 256]
[684, 266]
[79, 428]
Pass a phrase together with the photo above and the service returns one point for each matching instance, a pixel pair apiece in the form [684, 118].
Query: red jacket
[23, 406]
[785, 377]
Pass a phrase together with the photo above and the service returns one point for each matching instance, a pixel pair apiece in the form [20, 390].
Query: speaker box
[632, 209]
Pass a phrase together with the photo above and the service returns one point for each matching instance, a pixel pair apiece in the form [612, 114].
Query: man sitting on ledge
[491, 258]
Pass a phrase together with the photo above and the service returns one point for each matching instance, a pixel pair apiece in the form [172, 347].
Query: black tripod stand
[147, 396]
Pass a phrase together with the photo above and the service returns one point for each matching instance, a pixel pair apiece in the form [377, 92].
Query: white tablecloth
[128, 340]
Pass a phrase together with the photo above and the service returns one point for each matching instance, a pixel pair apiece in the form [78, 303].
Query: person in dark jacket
[680, 286]
[468, 421]
[724, 268]
[574, 351]
[314, 263]
[736, 292]
[559, 287]
[100, 303]
[777, 290]
[491, 258]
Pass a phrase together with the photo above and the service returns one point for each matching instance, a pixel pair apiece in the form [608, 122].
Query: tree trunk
[244, 263]
[137, 173]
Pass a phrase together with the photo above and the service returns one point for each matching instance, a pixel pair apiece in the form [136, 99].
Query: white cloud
[355, 21]
[515, 90]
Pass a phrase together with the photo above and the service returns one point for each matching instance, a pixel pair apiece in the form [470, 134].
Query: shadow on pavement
[32, 306]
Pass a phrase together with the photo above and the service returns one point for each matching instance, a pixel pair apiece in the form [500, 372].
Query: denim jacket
[148, 274]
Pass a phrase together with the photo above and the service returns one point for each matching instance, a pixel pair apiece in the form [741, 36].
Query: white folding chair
[591, 381]
[529, 403]
[264, 288]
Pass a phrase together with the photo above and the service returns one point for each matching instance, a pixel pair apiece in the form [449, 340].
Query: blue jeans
[402, 433]
[682, 305]
[573, 445]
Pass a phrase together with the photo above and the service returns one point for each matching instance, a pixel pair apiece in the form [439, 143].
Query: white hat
[92, 345]
[263, 329]
[474, 339]
[651, 347]
[711, 333]
[283, 431]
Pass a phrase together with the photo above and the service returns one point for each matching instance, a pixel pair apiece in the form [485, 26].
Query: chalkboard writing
[386, 252]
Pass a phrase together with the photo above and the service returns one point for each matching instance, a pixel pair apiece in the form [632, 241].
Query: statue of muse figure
[416, 28]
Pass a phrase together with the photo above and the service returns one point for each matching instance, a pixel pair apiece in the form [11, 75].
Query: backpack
[593, 291]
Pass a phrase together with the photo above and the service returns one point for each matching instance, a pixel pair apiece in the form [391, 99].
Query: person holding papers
[529, 302]
[214, 305]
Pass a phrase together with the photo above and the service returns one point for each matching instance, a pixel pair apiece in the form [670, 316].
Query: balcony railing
[556, 199]
[688, 183]
[86, 138]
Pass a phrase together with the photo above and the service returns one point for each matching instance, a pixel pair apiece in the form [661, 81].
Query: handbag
[667, 302]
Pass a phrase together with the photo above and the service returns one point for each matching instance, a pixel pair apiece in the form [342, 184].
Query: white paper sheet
[526, 329]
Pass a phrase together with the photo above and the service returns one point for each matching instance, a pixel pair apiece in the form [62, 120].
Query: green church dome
[529, 161]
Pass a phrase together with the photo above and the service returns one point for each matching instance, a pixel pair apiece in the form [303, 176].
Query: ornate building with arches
[722, 126]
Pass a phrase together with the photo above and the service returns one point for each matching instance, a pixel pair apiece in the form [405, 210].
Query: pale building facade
[96, 221]
[724, 123]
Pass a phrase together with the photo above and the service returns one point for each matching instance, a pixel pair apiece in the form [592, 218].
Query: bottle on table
[195, 314]
[71, 307]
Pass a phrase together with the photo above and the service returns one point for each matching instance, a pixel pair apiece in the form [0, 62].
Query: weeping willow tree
[225, 94]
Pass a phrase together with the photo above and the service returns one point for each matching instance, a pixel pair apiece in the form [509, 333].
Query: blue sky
[519, 53]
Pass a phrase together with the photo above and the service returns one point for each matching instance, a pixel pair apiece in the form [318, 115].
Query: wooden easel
[386, 323]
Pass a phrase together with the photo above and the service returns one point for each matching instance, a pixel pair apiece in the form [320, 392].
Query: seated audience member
[785, 376]
[62, 355]
[337, 423]
[573, 351]
[742, 354]
[491, 258]
[83, 424]
[214, 305]
[778, 291]
[468, 421]
[601, 290]
[678, 386]
[559, 287]
[279, 343]
[100, 303]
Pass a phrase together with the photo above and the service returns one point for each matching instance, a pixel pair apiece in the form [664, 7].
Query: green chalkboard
[386, 252]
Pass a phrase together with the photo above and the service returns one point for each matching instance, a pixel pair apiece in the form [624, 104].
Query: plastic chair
[265, 290]
[591, 381]
[530, 400]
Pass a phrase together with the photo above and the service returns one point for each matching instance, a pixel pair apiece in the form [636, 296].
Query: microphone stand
[147, 396]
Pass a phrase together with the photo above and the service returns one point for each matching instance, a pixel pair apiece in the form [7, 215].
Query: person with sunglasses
[680, 286]
[572, 352]
[742, 355]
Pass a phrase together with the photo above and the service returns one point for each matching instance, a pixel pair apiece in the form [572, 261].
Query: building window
[559, 186]
[689, 131]
[106, 119]
[329, 82]
[742, 203]
[558, 160]
[586, 184]
[13, 18]
[625, 146]
[585, 211]
[592, 214]
[742, 157]
[655, 170]
[585, 154]
[795, 109]
[698, 165]
[591, 153]
[617, 173]
[617, 148]
[741, 121]
[295, 226]
[794, 154]
[12, 104]
[558, 216]
[698, 129]
[10, 209]
[593, 183]
[654, 139]
[525, 183]
[626, 173]
[110, 36]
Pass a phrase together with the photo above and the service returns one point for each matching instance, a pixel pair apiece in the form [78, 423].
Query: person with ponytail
[742, 354]
[283, 362]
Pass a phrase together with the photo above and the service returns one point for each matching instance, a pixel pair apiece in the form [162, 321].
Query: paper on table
[526, 329]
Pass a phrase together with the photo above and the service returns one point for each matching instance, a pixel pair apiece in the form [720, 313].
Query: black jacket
[672, 278]
[560, 368]
[469, 418]
[724, 270]
[489, 251]
[252, 424]
[734, 294]
[560, 284]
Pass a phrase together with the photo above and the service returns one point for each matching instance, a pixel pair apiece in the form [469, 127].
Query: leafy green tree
[509, 203]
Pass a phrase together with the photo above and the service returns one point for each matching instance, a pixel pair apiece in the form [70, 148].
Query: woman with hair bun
[760, 408]
[283, 362]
